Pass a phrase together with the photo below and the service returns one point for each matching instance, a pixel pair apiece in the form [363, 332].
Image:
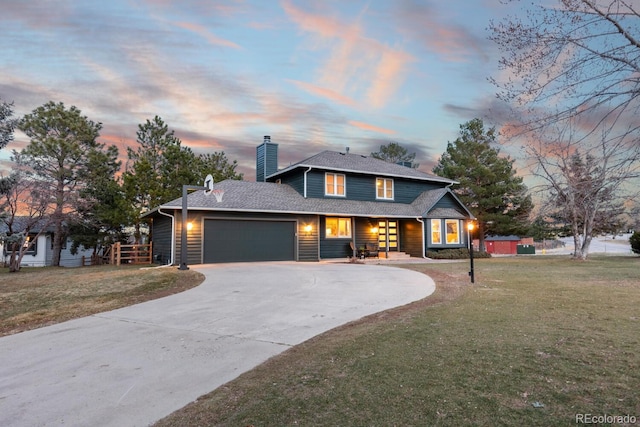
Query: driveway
[133, 366]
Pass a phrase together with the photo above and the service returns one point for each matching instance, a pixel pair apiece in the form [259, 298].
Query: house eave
[281, 212]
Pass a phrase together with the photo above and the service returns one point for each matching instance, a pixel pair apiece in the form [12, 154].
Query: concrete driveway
[133, 366]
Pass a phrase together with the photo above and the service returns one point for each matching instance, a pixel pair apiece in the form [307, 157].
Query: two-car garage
[234, 240]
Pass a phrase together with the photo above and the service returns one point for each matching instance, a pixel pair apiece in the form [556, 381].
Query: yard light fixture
[469, 230]
[185, 225]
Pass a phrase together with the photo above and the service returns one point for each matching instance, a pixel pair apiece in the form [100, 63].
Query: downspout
[305, 181]
[173, 235]
[424, 248]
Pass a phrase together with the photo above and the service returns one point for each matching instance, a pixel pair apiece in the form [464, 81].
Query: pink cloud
[204, 33]
[356, 66]
[367, 126]
[437, 32]
[323, 92]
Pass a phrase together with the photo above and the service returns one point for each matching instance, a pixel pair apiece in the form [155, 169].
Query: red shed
[502, 245]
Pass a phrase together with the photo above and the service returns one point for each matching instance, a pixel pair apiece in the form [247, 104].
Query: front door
[388, 235]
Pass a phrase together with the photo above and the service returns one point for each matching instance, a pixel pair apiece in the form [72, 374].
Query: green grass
[546, 330]
[36, 297]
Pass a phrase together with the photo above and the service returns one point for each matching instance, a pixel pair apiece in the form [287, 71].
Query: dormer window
[334, 184]
[384, 188]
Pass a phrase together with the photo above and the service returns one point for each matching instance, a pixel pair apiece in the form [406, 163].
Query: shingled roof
[356, 163]
[269, 197]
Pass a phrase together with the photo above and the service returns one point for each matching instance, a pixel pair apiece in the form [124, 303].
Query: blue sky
[313, 75]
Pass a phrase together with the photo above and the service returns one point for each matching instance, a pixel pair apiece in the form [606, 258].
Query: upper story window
[384, 188]
[334, 184]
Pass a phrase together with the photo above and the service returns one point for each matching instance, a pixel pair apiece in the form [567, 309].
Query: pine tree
[488, 183]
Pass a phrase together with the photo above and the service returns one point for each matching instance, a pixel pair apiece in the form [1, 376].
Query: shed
[502, 245]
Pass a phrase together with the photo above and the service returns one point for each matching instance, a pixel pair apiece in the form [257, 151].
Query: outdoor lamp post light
[469, 230]
[185, 211]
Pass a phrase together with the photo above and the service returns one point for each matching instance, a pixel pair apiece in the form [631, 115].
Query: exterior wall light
[308, 228]
[189, 226]
[374, 229]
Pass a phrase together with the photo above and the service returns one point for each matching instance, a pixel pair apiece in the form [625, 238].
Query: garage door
[240, 240]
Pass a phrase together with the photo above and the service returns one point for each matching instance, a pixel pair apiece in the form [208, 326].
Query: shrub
[460, 253]
[635, 242]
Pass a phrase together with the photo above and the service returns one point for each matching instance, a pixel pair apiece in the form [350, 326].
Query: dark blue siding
[449, 202]
[362, 187]
[333, 248]
[315, 184]
[406, 191]
[161, 237]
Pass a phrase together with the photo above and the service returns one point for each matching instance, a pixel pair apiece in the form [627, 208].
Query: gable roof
[20, 223]
[356, 163]
[269, 197]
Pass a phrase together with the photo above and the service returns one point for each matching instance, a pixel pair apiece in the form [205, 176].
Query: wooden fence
[130, 254]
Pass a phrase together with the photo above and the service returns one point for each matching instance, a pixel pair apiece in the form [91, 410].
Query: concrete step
[395, 255]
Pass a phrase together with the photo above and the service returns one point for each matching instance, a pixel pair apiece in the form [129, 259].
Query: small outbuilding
[502, 245]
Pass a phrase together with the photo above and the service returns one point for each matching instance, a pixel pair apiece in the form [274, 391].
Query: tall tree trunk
[57, 224]
[14, 261]
[481, 245]
[58, 236]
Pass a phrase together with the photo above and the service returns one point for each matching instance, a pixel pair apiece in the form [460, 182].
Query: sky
[313, 74]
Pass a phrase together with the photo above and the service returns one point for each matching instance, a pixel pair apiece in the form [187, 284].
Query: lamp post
[185, 211]
[469, 230]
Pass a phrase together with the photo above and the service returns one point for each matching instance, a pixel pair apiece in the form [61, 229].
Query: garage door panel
[247, 240]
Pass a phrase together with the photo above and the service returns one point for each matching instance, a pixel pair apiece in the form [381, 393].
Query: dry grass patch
[536, 341]
[37, 297]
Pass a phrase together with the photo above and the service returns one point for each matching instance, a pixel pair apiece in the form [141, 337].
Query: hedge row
[461, 253]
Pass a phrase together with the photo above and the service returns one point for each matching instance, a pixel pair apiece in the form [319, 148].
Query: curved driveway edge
[135, 365]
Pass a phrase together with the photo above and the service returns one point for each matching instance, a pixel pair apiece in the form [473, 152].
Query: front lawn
[537, 341]
[36, 297]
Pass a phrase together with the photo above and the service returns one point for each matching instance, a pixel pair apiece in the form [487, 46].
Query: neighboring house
[41, 253]
[316, 209]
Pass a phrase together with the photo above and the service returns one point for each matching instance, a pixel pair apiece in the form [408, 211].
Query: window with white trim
[384, 188]
[334, 184]
[453, 230]
[338, 228]
[436, 232]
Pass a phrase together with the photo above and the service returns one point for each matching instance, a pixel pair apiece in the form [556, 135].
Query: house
[40, 254]
[320, 208]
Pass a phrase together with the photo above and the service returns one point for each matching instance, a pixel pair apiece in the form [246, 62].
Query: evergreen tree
[159, 167]
[7, 124]
[218, 166]
[488, 183]
[634, 240]
[395, 153]
[62, 143]
[104, 207]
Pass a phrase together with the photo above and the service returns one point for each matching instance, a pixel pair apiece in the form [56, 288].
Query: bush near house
[460, 253]
[635, 242]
